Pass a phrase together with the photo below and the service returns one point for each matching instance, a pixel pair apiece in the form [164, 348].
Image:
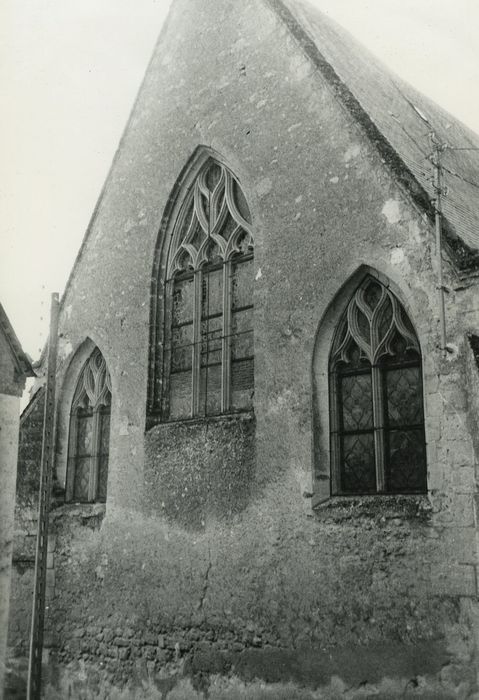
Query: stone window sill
[236, 416]
[85, 511]
[375, 507]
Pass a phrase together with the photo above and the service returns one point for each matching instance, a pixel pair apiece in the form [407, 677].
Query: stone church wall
[209, 567]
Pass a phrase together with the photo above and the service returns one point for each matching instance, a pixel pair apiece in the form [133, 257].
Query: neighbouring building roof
[390, 110]
[21, 359]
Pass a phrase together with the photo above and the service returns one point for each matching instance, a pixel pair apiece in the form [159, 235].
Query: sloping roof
[366, 85]
[22, 360]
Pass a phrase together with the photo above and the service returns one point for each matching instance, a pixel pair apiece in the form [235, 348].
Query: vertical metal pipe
[438, 221]
[46, 475]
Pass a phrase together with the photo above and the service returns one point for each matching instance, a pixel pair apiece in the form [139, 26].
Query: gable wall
[243, 590]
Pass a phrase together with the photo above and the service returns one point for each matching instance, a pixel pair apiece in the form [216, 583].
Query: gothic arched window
[89, 437]
[208, 341]
[377, 421]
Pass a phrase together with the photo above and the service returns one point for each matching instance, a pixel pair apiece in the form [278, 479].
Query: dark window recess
[377, 421]
[474, 343]
[89, 437]
[209, 354]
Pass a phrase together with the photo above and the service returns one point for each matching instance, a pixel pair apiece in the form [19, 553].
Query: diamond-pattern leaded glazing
[403, 391]
[406, 456]
[90, 432]
[356, 401]
[81, 479]
[358, 474]
[378, 428]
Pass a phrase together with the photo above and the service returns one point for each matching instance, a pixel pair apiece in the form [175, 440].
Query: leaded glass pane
[102, 477]
[90, 428]
[404, 396]
[242, 384]
[242, 334]
[212, 296]
[228, 227]
[242, 284]
[183, 301]
[244, 242]
[211, 340]
[356, 400]
[363, 325]
[358, 470]
[241, 202]
[104, 428]
[210, 390]
[354, 358]
[385, 319]
[84, 433]
[406, 460]
[383, 340]
[81, 480]
[180, 394]
[181, 348]
[216, 232]
[198, 236]
[213, 175]
[372, 294]
[103, 450]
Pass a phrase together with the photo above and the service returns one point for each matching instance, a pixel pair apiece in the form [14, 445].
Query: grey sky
[69, 72]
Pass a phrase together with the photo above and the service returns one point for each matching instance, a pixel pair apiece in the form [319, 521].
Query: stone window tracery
[208, 365]
[376, 406]
[89, 434]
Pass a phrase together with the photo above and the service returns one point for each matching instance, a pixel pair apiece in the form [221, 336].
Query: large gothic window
[377, 423]
[208, 362]
[89, 438]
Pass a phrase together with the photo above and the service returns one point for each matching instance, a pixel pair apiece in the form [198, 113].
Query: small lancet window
[90, 433]
[209, 357]
[376, 405]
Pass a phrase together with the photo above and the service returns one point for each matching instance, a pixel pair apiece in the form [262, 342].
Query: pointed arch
[89, 432]
[372, 372]
[201, 350]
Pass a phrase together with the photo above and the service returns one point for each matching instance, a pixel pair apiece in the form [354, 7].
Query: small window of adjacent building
[376, 398]
[89, 435]
[209, 357]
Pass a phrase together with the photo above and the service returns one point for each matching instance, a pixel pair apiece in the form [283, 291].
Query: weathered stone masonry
[219, 561]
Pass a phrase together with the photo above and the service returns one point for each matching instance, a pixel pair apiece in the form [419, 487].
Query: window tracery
[89, 436]
[208, 363]
[377, 423]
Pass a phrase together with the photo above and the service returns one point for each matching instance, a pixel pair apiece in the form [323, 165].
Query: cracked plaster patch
[352, 152]
[263, 187]
[397, 256]
[391, 211]
[65, 348]
[124, 424]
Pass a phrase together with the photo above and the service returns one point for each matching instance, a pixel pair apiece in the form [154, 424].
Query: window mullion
[196, 368]
[167, 349]
[226, 341]
[335, 436]
[379, 433]
[95, 440]
[72, 456]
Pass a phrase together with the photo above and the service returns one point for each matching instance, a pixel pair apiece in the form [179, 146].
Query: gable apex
[392, 113]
